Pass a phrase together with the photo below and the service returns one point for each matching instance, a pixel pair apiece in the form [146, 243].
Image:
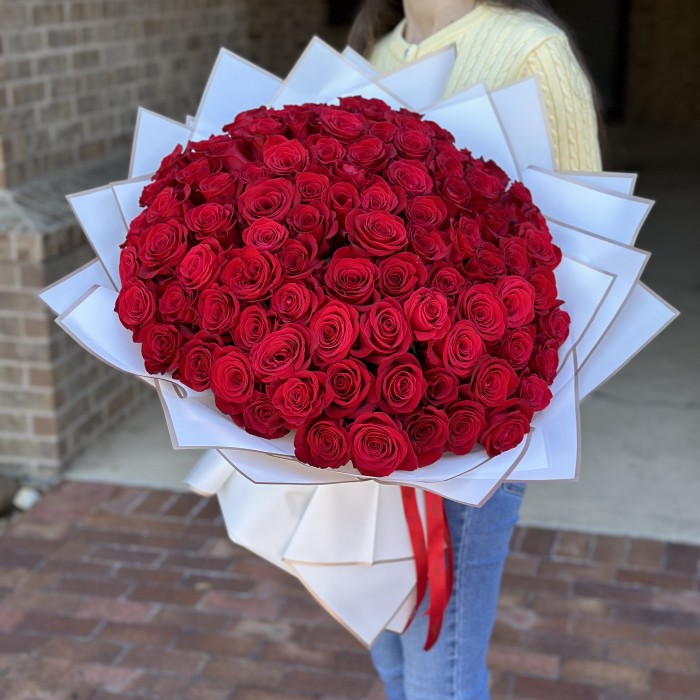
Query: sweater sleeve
[569, 103]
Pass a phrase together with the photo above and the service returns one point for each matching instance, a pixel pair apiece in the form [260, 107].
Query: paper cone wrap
[341, 533]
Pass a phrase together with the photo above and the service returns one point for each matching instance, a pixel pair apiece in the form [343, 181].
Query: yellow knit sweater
[498, 46]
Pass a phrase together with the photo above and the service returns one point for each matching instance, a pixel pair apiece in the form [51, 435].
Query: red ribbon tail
[434, 562]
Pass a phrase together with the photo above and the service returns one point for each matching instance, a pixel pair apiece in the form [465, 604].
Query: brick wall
[72, 73]
[663, 76]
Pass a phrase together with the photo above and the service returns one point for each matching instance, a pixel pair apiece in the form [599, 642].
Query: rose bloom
[282, 353]
[384, 330]
[428, 314]
[334, 328]
[323, 444]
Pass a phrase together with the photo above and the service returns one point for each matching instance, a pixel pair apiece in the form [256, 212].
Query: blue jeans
[455, 668]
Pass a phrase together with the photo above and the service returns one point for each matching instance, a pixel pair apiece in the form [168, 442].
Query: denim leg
[455, 668]
[387, 657]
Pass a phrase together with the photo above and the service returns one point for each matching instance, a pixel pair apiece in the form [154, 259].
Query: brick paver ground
[110, 593]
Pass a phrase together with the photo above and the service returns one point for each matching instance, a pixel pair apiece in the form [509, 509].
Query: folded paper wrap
[343, 535]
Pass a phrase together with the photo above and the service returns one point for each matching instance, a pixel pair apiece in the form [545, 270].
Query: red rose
[545, 360]
[311, 185]
[507, 425]
[195, 360]
[232, 380]
[135, 305]
[457, 192]
[325, 149]
[459, 350]
[342, 125]
[259, 417]
[349, 277]
[162, 246]
[272, 199]
[284, 156]
[467, 423]
[341, 197]
[382, 130]
[411, 175]
[494, 380]
[159, 346]
[210, 219]
[167, 204]
[195, 172]
[369, 152]
[516, 346]
[218, 309]
[294, 302]
[400, 274]
[442, 386]
[539, 245]
[201, 265]
[447, 279]
[128, 264]
[515, 257]
[314, 219]
[300, 398]
[298, 258]
[176, 303]
[400, 383]
[265, 234]
[379, 446]
[380, 197]
[487, 263]
[535, 391]
[282, 353]
[354, 389]
[428, 431]
[545, 286]
[485, 185]
[428, 314]
[426, 211]
[384, 330]
[518, 296]
[251, 275]
[375, 233]
[323, 444]
[556, 324]
[481, 305]
[218, 188]
[412, 143]
[334, 328]
[465, 239]
[253, 325]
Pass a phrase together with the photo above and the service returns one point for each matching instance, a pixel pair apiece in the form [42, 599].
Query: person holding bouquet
[498, 42]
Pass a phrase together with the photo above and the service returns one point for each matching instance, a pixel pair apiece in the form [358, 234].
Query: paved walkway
[113, 593]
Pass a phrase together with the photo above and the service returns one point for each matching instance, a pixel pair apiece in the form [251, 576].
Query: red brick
[15, 643]
[215, 644]
[127, 556]
[210, 511]
[541, 689]
[608, 591]
[577, 571]
[612, 550]
[190, 619]
[525, 662]
[81, 652]
[646, 554]
[659, 657]
[682, 557]
[202, 582]
[149, 577]
[51, 625]
[687, 686]
[183, 506]
[565, 646]
[245, 672]
[354, 662]
[679, 637]
[257, 694]
[9, 618]
[165, 594]
[318, 682]
[90, 587]
[684, 601]
[136, 634]
[605, 674]
[223, 602]
[537, 583]
[611, 630]
[650, 579]
[299, 654]
[178, 662]
[116, 610]
[152, 504]
[655, 618]
[538, 541]
[574, 545]
[182, 561]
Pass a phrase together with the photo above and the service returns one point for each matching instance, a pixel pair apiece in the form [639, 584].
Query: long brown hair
[378, 17]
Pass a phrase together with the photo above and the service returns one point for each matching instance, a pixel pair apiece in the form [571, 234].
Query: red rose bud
[161, 247]
[380, 197]
[401, 274]
[253, 325]
[301, 397]
[535, 391]
[459, 350]
[334, 328]
[298, 258]
[232, 379]
[426, 211]
[516, 347]
[442, 386]
[545, 286]
[200, 265]
[518, 296]
[375, 233]
[259, 417]
[515, 256]
[428, 314]
[494, 380]
[384, 330]
[271, 198]
[294, 302]
[195, 361]
[210, 219]
[411, 175]
[176, 303]
[218, 309]
[323, 444]
[556, 325]
[128, 264]
[412, 144]
[284, 156]
[350, 278]
[135, 305]
[159, 345]
[539, 245]
[354, 389]
[400, 384]
[467, 423]
[369, 152]
[545, 360]
[251, 275]
[379, 447]
[342, 125]
[428, 431]
[481, 306]
[311, 185]
[507, 425]
[282, 353]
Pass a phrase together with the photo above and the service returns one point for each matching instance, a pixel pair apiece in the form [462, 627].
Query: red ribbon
[433, 557]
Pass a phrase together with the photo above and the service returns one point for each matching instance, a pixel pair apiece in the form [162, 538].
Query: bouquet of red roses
[359, 310]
